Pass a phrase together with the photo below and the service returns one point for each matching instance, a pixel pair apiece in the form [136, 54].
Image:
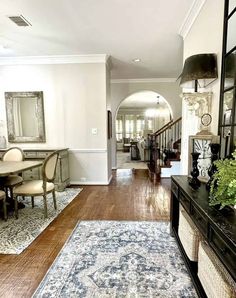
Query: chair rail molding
[88, 150]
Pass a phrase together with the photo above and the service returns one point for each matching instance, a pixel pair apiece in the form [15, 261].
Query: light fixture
[137, 60]
[199, 67]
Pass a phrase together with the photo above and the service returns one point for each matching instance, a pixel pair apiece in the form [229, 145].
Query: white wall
[119, 91]
[205, 36]
[75, 98]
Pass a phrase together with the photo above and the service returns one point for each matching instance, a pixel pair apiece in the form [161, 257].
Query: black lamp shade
[201, 66]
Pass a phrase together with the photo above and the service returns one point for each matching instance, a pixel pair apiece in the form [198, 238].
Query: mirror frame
[12, 138]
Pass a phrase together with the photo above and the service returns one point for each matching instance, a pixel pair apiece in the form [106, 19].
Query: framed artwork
[109, 124]
[201, 144]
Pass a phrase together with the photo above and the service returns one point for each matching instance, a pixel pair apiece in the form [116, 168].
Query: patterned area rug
[16, 235]
[118, 259]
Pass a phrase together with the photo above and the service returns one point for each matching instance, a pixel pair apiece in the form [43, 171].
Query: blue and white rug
[18, 234]
[118, 259]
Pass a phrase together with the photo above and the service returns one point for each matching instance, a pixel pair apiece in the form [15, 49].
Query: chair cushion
[2, 194]
[12, 180]
[34, 187]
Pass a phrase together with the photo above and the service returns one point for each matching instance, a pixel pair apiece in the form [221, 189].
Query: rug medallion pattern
[118, 259]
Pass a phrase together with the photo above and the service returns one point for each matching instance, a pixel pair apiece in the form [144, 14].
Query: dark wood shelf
[218, 227]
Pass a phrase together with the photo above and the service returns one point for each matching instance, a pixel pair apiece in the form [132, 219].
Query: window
[140, 125]
[150, 123]
[227, 113]
[119, 128]
[129, 126]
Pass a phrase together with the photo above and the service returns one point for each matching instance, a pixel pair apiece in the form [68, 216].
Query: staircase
[164, 147]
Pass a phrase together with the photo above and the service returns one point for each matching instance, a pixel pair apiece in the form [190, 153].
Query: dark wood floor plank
[130, 196]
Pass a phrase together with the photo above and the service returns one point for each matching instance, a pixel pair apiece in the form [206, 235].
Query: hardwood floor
[130, 196]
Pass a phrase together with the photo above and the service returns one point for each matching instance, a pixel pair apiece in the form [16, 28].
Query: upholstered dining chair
[3, 199]
[36, 188]
[12, 154]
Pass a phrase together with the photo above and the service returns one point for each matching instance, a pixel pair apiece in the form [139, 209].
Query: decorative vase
[212, 169]
[194, 181]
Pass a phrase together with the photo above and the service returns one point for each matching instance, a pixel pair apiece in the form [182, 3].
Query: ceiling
[143, 100]
[123, 29]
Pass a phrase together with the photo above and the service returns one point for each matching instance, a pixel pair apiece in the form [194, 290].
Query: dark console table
[217, 226]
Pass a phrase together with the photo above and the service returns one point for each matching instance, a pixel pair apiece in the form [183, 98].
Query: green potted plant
[223, 186]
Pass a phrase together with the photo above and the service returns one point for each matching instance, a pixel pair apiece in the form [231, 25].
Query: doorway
[138, 115]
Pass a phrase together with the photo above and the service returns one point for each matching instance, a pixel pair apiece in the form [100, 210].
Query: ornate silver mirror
[25, 117]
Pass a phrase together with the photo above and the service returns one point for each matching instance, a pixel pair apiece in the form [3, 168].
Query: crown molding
[57, 59]
[148, 80]
[191, 17]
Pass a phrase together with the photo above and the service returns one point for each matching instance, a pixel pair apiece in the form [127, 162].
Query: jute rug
[118, 259]
[16, 235]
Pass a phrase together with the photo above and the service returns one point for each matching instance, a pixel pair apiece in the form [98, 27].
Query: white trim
[88, 150]
[114, 168]
[148, 80]
[109, 180]
[58, 59]
[191, 17]
[90, 182]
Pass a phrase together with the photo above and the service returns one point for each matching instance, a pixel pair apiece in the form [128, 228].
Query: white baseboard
[90, 182]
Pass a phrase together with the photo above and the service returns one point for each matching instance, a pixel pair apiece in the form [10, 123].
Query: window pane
[230, 70]
[150, 123]
[129, 126]
[227, 107]
[119, 127]
[231, 38]
[140, 123]
[225, 141]
[232, 5]
[119, 137]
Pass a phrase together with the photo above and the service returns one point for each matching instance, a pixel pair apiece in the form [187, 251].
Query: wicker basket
[214, 278]
[189, 235]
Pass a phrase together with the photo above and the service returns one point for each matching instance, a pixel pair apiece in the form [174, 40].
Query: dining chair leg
[32, 201]
[45, 206]
[54, 199]
[16, 207]
[5, 209]
[11, 193]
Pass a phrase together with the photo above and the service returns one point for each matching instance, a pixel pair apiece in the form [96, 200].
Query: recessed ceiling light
[137, 60]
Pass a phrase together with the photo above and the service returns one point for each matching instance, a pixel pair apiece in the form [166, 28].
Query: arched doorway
[138, 115]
